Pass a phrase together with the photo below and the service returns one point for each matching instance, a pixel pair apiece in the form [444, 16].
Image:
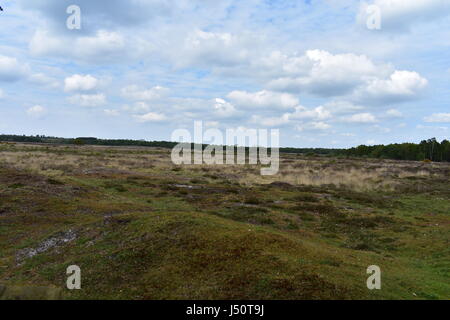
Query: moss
[139, 237]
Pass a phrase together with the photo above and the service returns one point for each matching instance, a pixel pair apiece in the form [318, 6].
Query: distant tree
[78, 142]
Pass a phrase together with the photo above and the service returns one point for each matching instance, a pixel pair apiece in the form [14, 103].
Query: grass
[146, 229]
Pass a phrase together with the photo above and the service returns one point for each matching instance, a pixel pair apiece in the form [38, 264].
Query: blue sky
[312, 69]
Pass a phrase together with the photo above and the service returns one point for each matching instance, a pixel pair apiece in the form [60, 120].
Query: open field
[142, 228]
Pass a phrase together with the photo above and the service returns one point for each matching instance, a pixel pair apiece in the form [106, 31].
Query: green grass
[145, 237]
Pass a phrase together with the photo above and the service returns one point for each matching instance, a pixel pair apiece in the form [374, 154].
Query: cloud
[11, 70]
[88, 100]
[422, 127]
[150, 117]
[42, 79]
[313, 126]
[111, 112]
[401, 15]
[361, 118]
[137, 107]
[213, 49]
[2, 94]
[79, 82]
[330, 75]
[343, 107]
[101, 48]
[438, 118]
[279, 64]
[99, 14]
[380, 129]
[394, 113]
[348, 77]
[104, 44]
[271, 121]
[36, 111]
[400, 87]
[263, 99]
[134, 92]
[313, 118]
[223, 109]
[302, 113]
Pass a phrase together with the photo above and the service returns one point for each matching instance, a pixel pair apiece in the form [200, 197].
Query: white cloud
[401, 86]
[343, 107]
[2, 94]
[330, 75]
[211, 49]
[438, 118]
[319, 113]
[79, 82]
[320, 125]
[105, 44]
[313, 126]
[36, 111]
[211, 124]
[394, 113]
[353, 78]
[361, 118]
[111, 112]
[224, 109]
[44, 80]
[11, 69]
[380, 129]
[277, 64]
[134, 92]
[118, 13]
[88, 100]
[150, 117]
[103, 47]
[422, 127]
[137, 107]
[271, 121]
[263, 99]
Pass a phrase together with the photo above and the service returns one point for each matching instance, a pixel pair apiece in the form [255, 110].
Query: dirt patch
[57, 240]
[15, 180]
[282, 185]
[105, 171]
[29, 293]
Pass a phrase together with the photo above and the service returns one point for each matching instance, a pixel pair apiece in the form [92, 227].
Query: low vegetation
[140, 227]
[426, 150]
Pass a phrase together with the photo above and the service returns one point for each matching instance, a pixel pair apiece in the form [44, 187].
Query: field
[140, 227]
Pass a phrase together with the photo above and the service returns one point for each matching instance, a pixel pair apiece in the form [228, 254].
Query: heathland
[140, 227]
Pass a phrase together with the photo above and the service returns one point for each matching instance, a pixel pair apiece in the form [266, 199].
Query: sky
[326, 73]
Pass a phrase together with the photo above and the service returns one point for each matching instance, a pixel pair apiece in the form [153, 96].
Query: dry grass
[359, 175]
[160, 231]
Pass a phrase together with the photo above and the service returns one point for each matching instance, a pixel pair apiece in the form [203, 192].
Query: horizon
[315, 70]
[192, 142]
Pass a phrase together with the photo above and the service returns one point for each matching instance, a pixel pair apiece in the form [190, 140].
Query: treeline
[142, 143]
[312, 151]
[429, 149]
[86, 141]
